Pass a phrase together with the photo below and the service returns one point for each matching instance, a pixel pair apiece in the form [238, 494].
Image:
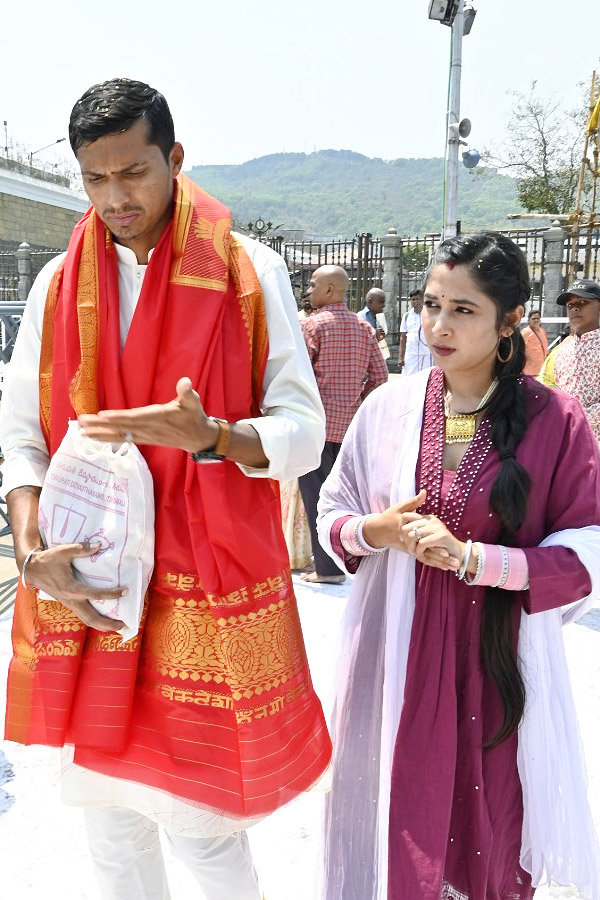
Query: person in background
[305, 308]
[161, 327]
[373, 313]
[293, 515]
[348, 365]
[457, 770]
[413, 352]
[577, 362]
[546, 375]
[536, 344]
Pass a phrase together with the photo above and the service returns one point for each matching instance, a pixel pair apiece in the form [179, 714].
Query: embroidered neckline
[432, 457]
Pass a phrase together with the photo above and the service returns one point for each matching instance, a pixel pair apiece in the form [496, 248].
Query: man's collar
[127, 256]
[588, 335]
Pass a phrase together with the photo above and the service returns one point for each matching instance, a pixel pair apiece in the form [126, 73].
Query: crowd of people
[456, 768]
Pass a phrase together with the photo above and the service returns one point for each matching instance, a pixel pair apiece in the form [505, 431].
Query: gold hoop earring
[510, 355]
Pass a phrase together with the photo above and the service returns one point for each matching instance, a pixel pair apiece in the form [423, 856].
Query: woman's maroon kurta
[456, 808]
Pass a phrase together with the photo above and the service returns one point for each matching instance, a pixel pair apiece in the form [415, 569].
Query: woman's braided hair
[500, 270]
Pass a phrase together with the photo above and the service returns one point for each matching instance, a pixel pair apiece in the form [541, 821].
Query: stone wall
[36, 206]
[39, 224]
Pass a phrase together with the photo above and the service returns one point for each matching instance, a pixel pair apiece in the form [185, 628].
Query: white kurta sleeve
[23, 445]
[292, 428]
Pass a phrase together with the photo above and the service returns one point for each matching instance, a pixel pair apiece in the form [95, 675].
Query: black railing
[360, 257]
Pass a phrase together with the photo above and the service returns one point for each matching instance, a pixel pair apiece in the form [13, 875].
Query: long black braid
[500, 269]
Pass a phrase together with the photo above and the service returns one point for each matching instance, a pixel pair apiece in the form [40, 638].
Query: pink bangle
[518, 570]
[352, 539]
[492, 572]
[503, 567]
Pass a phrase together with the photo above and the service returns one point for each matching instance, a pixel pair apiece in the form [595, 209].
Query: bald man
[374, 315]
[348, 365]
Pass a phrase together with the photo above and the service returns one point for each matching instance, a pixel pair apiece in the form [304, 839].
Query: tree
[543, 151]
[415, 257]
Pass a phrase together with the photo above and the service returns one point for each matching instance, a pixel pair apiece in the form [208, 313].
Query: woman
[434, 793]
[546, 375]
[536, 344]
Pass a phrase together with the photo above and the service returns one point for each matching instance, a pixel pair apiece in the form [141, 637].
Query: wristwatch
[219, 451]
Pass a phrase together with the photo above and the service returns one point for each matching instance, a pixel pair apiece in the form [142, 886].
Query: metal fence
[9, 277]
[10, 272]
[582, 253]
[360, 256]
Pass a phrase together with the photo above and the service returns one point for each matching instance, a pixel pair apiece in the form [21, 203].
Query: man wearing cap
[577, 364]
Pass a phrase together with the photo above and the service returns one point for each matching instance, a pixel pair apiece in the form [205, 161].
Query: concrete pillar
[390, 282]
[554, 282]
[23, 256]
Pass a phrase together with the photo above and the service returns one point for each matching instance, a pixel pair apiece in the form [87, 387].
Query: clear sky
[246, 79]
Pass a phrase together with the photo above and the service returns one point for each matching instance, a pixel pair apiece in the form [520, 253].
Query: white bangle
[24, 582]
[474, 579]
[465, 562]
[361, 538]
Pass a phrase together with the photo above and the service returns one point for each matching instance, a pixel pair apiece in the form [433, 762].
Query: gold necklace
[460, 428]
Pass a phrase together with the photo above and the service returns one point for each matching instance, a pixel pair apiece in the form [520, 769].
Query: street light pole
[453, 119]
[32, 154]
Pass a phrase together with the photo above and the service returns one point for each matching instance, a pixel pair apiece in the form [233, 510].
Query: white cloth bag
[103, 493]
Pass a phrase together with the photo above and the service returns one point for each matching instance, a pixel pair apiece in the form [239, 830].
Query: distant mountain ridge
[339, 193]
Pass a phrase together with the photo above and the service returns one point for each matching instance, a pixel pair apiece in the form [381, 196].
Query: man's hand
[52, 571]
[180, 423]
[380, 334]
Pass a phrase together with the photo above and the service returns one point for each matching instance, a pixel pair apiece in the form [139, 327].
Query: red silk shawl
[213, 701]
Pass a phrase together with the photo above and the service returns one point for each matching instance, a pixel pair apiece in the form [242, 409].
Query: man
[536, 344]
[207, 720]
[305, 308]
[577, 362]
[413, 352]
[374, 315]
[348, 365]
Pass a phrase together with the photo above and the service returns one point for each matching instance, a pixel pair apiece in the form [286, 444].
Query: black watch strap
[209, 455]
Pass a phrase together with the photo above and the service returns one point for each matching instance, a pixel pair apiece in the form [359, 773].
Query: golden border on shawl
[252, 308]
[47, 351]
[192, 645]
[19, 707]
[185, 193]
[83, 390]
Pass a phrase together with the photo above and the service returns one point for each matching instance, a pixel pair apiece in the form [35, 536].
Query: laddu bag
[103, 493]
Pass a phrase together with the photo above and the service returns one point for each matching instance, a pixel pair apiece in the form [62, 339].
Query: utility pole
[453, 119]
[59, 141]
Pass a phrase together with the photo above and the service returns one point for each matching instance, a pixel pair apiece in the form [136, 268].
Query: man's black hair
[114, 106]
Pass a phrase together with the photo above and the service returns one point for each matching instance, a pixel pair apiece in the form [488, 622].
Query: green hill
[334, 193]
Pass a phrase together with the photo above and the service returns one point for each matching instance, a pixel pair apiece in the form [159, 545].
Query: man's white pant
[126, 852]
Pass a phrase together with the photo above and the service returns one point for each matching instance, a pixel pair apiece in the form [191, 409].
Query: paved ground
[43, 845]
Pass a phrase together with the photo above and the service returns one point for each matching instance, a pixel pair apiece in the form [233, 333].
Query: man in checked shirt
[348, 365]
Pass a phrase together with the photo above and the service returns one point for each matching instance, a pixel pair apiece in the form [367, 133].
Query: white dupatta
[376, 468]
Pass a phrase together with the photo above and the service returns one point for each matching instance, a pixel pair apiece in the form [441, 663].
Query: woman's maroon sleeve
[556, 576]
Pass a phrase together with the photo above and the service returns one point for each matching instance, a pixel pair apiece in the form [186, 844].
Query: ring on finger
[417, 534]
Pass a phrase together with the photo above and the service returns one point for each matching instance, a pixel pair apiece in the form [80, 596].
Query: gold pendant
[460, 429]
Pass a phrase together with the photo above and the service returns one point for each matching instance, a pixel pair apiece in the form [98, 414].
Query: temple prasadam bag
[103, 493]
